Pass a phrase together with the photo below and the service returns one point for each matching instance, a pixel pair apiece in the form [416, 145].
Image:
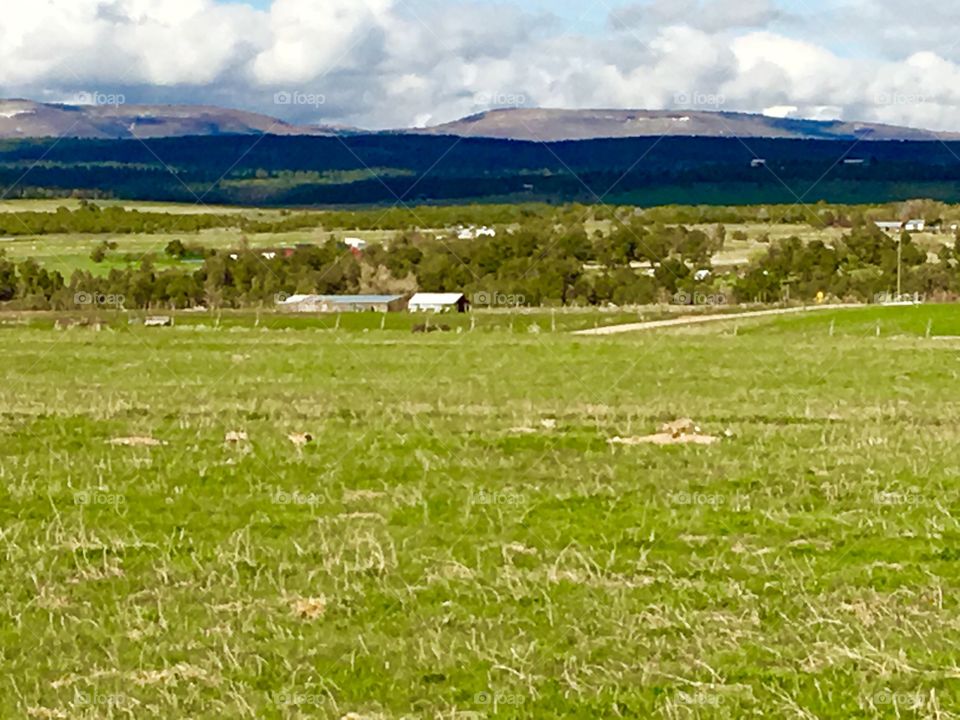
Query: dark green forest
[412, 169]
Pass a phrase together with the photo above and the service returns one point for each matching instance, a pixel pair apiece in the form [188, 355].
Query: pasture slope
[460, 539]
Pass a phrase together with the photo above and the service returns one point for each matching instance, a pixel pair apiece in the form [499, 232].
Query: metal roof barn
[344, 303]
[438, 302]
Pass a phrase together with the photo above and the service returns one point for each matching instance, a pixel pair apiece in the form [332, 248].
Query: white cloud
[386, 63]
[780, 111]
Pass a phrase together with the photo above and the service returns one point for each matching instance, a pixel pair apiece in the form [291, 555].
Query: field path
[680, 322]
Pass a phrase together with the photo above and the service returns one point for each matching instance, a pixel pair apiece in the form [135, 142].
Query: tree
[8, 279]
[175, 248]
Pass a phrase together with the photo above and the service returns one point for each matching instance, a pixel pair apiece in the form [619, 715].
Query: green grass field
[69, 252]
[460, 540]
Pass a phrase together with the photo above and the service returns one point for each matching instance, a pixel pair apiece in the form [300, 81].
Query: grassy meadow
[68, 252]
[460, 539]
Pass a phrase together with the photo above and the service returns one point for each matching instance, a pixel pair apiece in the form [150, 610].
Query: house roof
[436, 298]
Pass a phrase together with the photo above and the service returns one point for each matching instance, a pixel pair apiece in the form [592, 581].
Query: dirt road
[699, 319]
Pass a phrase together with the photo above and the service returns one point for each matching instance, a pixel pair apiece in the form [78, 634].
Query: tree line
[91, 218]
[636, 262]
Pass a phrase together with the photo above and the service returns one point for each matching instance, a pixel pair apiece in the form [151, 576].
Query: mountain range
[552, 125]
[22, 119]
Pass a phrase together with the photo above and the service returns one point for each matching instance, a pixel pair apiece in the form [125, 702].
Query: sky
[401, 63]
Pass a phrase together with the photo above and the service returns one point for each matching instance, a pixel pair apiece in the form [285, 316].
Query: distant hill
[546, 125]
[366, 169]
[26, 119]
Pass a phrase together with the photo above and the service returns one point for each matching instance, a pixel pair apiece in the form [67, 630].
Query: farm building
[890, 226]
[344, 303]
[473, 232]
[895, 226]
[438, 302]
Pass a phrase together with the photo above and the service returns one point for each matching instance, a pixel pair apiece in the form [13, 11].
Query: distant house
[343, 303]
[473, 232]
[438, 302]
[895, 226]
[889, 226]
